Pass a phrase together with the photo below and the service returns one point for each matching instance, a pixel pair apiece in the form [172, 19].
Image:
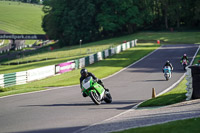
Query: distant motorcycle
[167, 72]
[184, 64]
[95, 91]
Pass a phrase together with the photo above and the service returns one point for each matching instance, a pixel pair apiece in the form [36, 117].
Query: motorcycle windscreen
[166, 70]
[86, 82]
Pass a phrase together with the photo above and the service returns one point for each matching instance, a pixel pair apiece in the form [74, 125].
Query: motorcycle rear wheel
[166, 77]
[95, 98]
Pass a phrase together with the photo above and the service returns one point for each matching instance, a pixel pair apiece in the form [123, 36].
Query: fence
[18, 78]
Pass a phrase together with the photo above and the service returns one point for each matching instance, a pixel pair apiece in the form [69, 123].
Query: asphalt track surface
[63, 109]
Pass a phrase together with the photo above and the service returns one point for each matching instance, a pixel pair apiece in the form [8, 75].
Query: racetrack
[65, 110]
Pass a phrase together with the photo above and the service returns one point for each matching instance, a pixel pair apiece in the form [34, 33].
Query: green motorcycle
[95, 91]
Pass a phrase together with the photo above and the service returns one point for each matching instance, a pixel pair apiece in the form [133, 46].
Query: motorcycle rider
[84, 74]
[184, 57]
[169, 65]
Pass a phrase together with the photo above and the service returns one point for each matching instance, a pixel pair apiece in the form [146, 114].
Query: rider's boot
[101, 83]
[170, 75]
[84, 95]
[106, 89]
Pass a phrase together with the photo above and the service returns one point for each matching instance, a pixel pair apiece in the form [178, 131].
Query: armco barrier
[128, 45]
[118, 49]
[21, 78]
[87, 61]
[95, 57]
[106, 53]
[112, 51]
[47, 71]
[91, 59]
[103, 55]
[40, 73]
[81, 62]
[1, 80]
[100, 56]
[123, 46]
[76, 64]
[9, 79]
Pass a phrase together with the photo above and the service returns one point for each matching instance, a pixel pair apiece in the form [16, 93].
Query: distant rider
[184, 57]
[168, 64]
[84, 74]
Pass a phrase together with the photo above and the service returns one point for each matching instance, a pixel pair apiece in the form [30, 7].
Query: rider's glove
[99, 80]
[95, 80]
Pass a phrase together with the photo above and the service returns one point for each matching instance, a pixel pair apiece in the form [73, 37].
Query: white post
[80, 46]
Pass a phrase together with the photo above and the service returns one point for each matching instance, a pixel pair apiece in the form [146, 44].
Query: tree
[69, 20]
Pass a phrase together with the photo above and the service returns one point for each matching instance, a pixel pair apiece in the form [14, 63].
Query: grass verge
[174, 96]
[180, 126]
[101, 69]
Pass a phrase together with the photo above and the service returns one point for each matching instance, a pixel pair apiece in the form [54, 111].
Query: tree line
[70, 21]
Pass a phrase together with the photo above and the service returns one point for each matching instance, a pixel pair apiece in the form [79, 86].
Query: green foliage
[116, 16]
[70, 21]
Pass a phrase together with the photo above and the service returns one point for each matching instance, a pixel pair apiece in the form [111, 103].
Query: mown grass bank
[101, 69]
[180, 126]
[20, 18]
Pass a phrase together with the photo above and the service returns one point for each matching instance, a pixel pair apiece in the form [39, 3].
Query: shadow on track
[130, 104]
[55, 130]
[157, 80]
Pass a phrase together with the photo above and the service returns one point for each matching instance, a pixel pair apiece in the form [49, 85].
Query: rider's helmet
[185, 55]
[84, 72]
[167, 62]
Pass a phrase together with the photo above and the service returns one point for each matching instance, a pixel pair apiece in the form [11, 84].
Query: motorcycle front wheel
[167, 77]
[184, 67]
[108, 98]
[95, 98]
